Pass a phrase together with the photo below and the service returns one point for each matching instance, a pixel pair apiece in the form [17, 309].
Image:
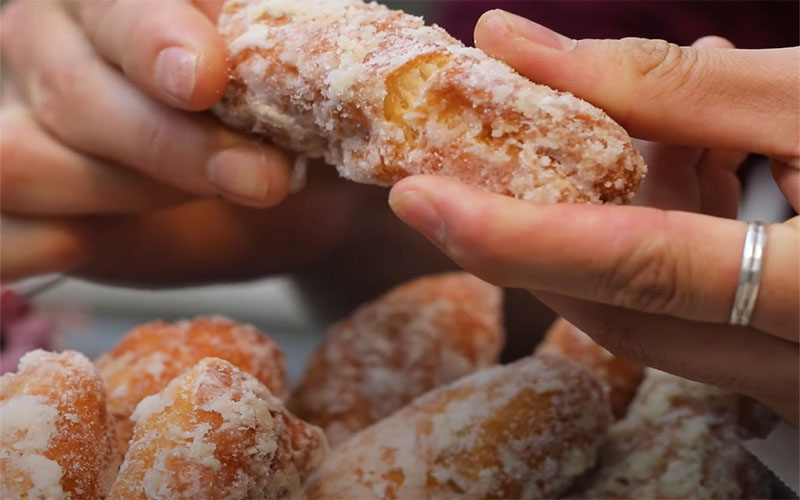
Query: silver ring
[750, 275]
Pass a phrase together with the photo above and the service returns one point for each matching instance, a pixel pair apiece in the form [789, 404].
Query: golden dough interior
[405, 86]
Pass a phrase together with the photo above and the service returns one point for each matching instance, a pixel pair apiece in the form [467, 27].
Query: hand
[99, 131]
[650, 284]
[108, 174]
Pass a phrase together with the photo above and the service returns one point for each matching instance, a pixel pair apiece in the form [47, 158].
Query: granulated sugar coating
[682, 439]
[524, 430]
[620, 376]
[420, 335]
[216, 432]
[55, 434]
[151, 355]
[382, 96]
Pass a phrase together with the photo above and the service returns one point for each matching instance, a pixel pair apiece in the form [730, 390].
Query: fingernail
[176, 70]
[534, 32]
[417, 211]
[239, 174]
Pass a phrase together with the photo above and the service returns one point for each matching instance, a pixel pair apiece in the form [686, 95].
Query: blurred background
[90, 317]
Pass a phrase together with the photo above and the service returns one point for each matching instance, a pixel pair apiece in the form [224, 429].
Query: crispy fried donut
[382, 96]
[422, 334]
[524, 430]
[216, 433]
[148, 357]
[56, 437]
[621, 376]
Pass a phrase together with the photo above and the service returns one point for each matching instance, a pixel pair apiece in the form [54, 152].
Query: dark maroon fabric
[748, 24]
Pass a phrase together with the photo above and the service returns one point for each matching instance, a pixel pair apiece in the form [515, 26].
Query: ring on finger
[750, 274]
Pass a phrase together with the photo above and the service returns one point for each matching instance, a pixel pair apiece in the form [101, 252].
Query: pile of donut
[403, 399]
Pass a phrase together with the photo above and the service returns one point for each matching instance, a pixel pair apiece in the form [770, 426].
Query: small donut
[621, 376]
[682, 440]
[422, 334]
[382, 96]
[56, 437]
[216, 433]
[523, 430]
[150, 355]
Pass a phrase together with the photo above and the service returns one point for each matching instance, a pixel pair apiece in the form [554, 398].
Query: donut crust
[382, 96]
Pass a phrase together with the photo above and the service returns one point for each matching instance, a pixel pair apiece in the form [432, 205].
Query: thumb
[698, 96]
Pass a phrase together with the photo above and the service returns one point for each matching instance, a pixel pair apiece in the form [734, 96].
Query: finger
[33, 246]
[120, 124]
[720, 189]
[788, 180]
[659, 91]
[713, 354]
[170, 49]
[214, 240]
[671, 182]
[42, 177]
[680, 264]
[690, 179]
[679, 176]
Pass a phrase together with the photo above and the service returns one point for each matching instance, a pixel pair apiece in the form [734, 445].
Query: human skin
[103, 215]
[652, 284]
[103, 177]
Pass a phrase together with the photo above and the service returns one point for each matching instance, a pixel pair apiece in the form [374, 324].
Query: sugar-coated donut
[422, 334]
[524, 430]
[682, 440]
[149, 356]
[56, 437]
[621, 376]
[216, 433]
[382, 96]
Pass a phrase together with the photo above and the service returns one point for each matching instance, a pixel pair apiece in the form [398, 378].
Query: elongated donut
[149, 356]
[620, 376]
[382, 96]
[422, 334]
[56, 437]
[524, 430]
[681, 439]
[216, 433]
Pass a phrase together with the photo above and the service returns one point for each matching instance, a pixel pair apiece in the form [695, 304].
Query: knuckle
[157, 140]
[58, 91]
[661, 69]
[655, 70]
[656, 58]
[651, 278]
[645, 280]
